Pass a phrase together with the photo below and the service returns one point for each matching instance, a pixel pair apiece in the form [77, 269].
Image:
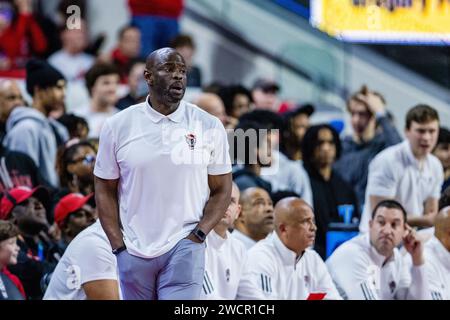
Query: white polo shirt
[87, 258]
[438, 269]
[361, 273]
[395, 173]
[162, 163]
[276, 273]
[224, 264]
[288, 175]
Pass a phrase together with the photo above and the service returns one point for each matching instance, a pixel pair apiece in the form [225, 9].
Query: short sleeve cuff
[380, 191]
[216, 170]
[105, 175]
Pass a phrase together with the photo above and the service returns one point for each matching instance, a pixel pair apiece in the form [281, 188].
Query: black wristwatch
[199, 234]
[119, 250]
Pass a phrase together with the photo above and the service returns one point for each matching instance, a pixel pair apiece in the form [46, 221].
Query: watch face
[200, 234]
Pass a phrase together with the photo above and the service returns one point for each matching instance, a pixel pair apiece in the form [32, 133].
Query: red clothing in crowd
[121, 61]
[14, 280]
[164, 8]
[22, 38]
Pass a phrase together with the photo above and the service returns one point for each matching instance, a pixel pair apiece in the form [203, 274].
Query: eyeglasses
[87, 159]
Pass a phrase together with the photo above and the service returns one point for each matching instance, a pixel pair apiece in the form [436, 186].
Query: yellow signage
[423, 21]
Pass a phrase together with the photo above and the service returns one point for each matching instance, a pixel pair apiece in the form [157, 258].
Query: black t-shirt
[20, 168]
[327, 197]
[8, 290]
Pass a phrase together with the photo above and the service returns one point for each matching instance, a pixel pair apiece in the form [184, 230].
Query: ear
[148, 76]
[239, 211]
[370, 223]
[240, 216]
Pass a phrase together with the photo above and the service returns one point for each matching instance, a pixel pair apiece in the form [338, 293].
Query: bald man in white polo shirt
[408, 172]
[282, 266]
[163, 181]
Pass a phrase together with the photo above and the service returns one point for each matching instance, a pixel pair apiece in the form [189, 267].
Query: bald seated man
[283, 266]
[437, 252]
[213, 104]
[10, 98]
[256, 219]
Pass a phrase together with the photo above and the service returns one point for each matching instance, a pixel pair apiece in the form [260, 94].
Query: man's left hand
[193, 238]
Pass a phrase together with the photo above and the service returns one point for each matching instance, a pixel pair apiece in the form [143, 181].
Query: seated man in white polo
[87, 270]
[408, 172]
[370, 267]
[281, 266]
[256, 219]
[225, 256]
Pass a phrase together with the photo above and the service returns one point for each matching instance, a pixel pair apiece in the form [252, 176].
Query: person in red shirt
[157, 20]
[20, 35]
[128, 48]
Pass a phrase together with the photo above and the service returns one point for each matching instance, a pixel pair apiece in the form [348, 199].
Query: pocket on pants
[187, 263]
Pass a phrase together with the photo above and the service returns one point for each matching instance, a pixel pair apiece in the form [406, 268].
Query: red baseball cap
[68, 204]
[18, 195]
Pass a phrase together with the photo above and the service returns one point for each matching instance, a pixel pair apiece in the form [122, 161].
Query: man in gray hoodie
[30, 130]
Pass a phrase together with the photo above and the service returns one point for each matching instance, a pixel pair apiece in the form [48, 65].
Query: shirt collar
[215, 240]
[410, 156]
[176, 116]
[288, 256]
[441, 252]
[376, 257]
[248, 242]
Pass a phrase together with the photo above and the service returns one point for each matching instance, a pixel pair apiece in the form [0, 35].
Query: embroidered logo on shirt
[392, 286]
[191, 140]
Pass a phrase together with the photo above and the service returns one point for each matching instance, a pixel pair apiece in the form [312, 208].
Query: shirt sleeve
[436, 193]
[324, 282]
[97, 263]
[220, 162]
[106, 166]
[381, 180]
[258, 279]
[434, 282]
[209, 291]
[413, 284]
[354, 275]
[24, 138]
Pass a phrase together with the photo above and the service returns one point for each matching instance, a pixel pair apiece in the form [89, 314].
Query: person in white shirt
[256, 219]
[282, 266]
[370, 267]
[225, 256]
[437, 252]
[71, 60]
[288, 175]
[408, 172]
[87, 270]
[102, 82]
[162, 183]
